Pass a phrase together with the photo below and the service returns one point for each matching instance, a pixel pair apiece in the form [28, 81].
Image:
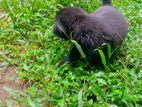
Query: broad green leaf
[9, 103]
[30, 101]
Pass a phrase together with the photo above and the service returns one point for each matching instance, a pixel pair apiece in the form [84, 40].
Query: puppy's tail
[106, 2]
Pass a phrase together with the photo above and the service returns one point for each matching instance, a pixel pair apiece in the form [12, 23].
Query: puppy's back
[115, 21]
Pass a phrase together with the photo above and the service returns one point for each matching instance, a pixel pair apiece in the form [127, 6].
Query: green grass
[27, 42]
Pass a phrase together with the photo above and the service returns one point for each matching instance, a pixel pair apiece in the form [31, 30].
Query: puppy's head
[64, 20]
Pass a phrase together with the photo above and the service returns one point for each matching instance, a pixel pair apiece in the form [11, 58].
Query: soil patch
[9, 79]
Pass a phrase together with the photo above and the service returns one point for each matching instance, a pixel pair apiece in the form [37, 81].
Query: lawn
[28, 43]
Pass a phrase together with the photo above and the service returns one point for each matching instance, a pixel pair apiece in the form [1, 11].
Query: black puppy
[105, 25]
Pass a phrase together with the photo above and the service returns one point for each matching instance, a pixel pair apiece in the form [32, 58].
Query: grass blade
[102, 56]
[80, 101]
[79, 48]
[109, 50]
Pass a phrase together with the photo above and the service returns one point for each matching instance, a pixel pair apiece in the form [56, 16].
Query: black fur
[105, 25]
[106, 2]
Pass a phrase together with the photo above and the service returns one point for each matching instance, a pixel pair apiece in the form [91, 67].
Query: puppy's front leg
[73, 55]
